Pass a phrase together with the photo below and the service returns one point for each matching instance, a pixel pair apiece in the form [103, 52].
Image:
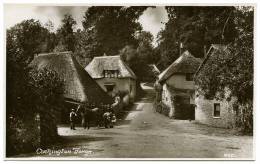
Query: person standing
[113, 119]
[73, 116]
[81, 110]
[87, 115]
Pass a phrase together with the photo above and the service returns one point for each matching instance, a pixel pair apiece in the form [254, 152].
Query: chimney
[181, 47]
[205, 51]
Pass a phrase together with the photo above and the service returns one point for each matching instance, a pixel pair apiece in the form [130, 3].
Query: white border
[133, 2]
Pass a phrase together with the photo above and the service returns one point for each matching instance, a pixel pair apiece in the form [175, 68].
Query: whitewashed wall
[179, 81]
[121, 84]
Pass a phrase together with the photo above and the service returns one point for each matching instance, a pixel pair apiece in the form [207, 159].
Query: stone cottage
[113, 76]
[212, 111]
[79, 86]
[177, 86]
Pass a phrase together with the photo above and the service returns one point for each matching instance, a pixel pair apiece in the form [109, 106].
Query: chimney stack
[181, 47]
[205, 51]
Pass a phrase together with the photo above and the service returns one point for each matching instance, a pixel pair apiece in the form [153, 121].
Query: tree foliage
[28, 91]
[140, 57]
[112, 27]
[23, 41]
[232, 69]
[195, 27]
[66, 34]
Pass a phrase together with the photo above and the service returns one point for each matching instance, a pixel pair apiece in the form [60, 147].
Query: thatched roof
[96, 67]
[79, 86]
[154, 68]
[186, 63]
[212, 50]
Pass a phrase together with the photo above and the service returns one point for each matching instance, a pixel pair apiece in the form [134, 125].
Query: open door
[192, 112]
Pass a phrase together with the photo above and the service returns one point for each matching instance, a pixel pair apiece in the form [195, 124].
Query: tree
[87, 46]
[65, 33]
[145, 48]
[28, 93]
[23, 41]
[194, 28]
[232, 69]
[139, 58]
[51, 39]
[112, 27]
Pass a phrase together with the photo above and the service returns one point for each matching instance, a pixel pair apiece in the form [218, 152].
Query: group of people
[101, 116]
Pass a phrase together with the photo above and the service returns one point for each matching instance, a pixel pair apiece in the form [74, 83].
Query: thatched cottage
[177, 86]
[218, 113]
[113, 76]
[79, 86]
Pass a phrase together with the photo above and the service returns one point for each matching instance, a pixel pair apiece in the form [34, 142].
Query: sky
[152, 19]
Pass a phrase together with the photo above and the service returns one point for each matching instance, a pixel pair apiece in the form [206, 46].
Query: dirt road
[146, 134]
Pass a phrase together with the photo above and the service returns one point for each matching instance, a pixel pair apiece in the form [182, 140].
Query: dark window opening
[189, 77]
[216, 110]
[110, 73]
[130, 88]
[109, 88]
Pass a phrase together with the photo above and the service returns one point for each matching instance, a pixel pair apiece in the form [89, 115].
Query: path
[146, 134]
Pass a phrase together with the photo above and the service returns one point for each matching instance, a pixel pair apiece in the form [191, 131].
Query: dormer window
[111, 73]
[189, 76]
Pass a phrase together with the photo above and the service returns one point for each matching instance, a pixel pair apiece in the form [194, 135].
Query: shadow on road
[66, 140]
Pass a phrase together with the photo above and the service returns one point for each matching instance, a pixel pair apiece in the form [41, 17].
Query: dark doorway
[183, 109]
[110, 88]
[192, 112]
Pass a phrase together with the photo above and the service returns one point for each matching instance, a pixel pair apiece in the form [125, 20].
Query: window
[110, 73]
[109, 87]
[216, 112]
[189, 77]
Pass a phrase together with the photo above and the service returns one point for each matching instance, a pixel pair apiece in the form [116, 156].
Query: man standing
[73, 116]
[81, 110]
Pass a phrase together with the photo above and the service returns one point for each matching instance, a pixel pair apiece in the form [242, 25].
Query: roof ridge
[54, 53]
[106, 56]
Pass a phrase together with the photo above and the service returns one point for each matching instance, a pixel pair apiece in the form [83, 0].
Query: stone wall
[204, 112]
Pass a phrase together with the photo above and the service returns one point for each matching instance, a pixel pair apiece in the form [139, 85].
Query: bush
[160, 107]
[23, 136]
[25, 131]
[244, 119]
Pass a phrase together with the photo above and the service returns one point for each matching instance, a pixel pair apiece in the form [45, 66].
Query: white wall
[179, 81]
[167, 98]
[176, 81]
[121, 84]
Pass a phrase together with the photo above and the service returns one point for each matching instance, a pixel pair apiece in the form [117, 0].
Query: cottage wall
[121, 84]
[179, 81]
[205, 108]
[176, 81]
[167, 99]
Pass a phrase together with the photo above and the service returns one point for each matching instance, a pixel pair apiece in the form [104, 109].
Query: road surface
[146, 134]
